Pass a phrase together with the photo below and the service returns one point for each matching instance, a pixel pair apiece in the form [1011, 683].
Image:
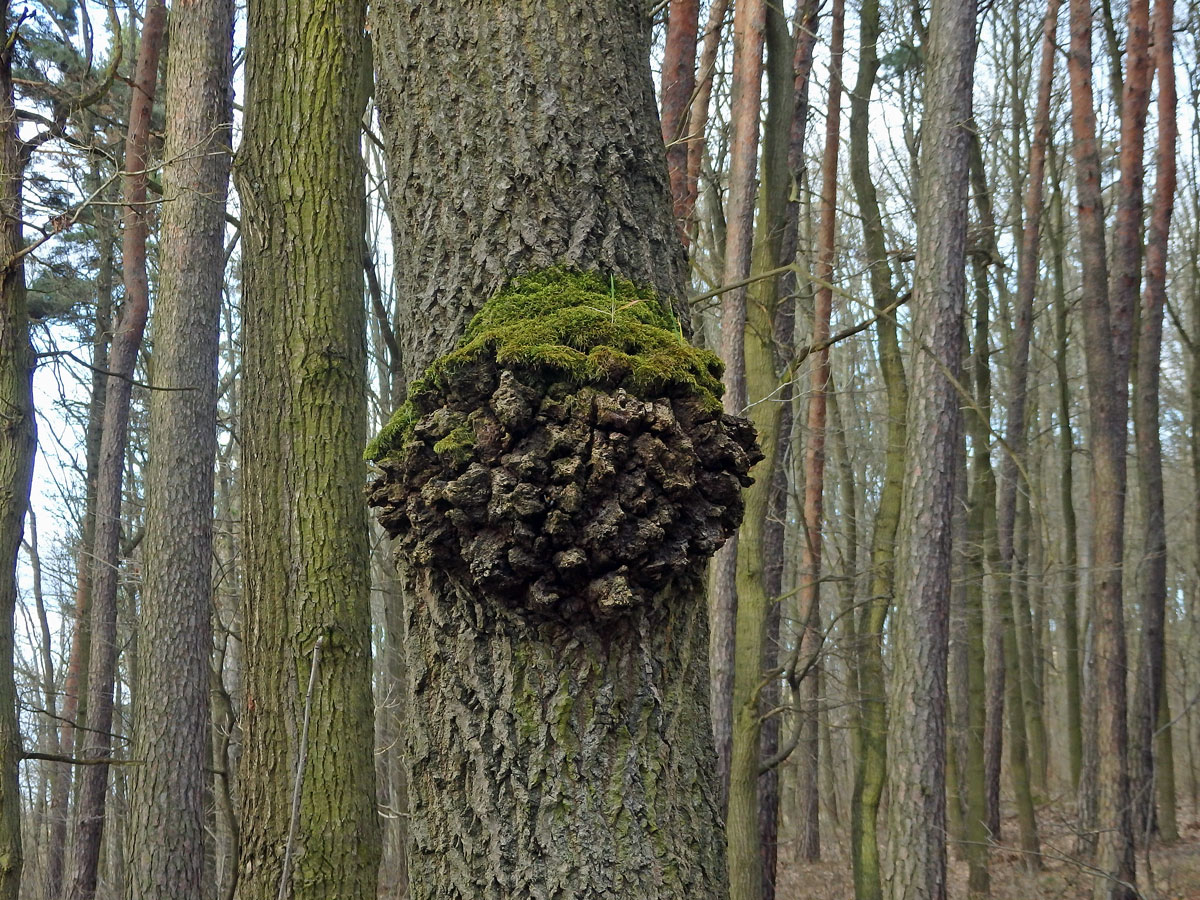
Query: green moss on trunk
[569, 326]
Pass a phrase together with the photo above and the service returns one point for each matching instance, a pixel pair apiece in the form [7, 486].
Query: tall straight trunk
[1070, 542]
[870, 766]
[981, 518]
[1150, 693]
[305, 613]
[599, 722]
[749, 38]
[783, 293]
[678, 85]
[1018, 659]
[171, 730]
[75, 679]
[17, 442]
[917, 745]
[1105, 341]
[1015, 418]
[126, 342]
[814, 446]
[697, 121]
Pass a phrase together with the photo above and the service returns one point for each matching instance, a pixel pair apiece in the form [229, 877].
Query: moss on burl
[573, 327]
[570, 457]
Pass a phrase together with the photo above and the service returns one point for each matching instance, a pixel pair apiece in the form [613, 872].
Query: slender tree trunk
[814, 447]
[1106, 341]
[697, 121]
[678, 86]
[17, 443]
[602, 722]
[749, 37]
[75, 682]
[1070, 542]
[871, 765]
[306, 614]
[127, 341]
[171, 729]
[980, 526]
[917, 814]
[1015, 419]
[783, 293]
[1150, 694]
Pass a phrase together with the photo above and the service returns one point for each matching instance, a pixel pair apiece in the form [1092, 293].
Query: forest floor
[1170, 872]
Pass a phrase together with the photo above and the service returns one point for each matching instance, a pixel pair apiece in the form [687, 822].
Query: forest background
[794, 142]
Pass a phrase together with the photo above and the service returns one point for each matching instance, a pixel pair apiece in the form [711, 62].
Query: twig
[75, 761]
[285, 876]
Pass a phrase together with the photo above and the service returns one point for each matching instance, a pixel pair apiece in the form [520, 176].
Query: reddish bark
[698, 115]
[1148, 696]
[678, 85]
[1107, 376]
[127, 340]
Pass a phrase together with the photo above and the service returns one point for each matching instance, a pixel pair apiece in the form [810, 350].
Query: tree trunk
[171, 729]
[678, 85]
[306, 614]
[814, 447]
[749, 38]
[871, 765]
[1149, 693]
[127, 341]
[917, 745]
[698, 114]
[1105, 339]
[522, 723]
[1066, 455]
[17, 442]
[75, 682]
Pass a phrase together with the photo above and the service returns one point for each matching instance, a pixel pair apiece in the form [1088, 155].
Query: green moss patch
[560, 325]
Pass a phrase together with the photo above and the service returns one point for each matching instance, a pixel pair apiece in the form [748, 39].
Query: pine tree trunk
[17, 441]
[126, 344]
[545, 757]
[679, 84]
[917, 744]
[1149, 693]
[306, 613]
[171, 729]
[1106, 342]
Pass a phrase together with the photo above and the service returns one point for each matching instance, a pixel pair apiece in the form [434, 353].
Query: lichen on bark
[570, 455]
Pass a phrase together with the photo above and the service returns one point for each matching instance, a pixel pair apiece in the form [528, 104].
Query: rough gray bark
[457, 80]
[300, 182]
[916, 861]
[546, 757]
[170, 734]
[17, 442]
